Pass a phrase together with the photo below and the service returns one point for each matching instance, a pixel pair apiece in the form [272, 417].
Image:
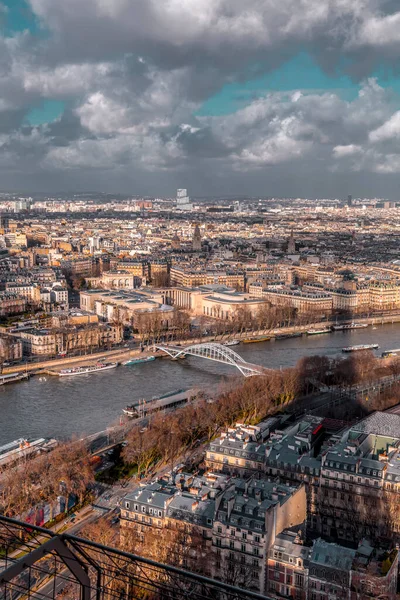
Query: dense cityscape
[265, 482]
[199, 300]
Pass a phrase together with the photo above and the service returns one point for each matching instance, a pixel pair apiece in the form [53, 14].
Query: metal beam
[57, 545]
[215, 352]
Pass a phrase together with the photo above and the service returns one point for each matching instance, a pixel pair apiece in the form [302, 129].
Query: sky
[224, 97]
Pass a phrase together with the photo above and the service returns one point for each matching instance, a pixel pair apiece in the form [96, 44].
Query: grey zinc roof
[332, 555]
[387, 424]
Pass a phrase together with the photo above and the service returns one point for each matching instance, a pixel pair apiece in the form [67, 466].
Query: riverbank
[122, 354]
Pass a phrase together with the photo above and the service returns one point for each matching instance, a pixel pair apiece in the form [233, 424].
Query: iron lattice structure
[216, 352]
[38, 564]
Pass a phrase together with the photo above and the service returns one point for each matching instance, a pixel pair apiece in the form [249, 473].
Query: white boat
[319, 331]
[139, 360]
[231, 343]
[346, 326]
[87, 370]
[360, 347]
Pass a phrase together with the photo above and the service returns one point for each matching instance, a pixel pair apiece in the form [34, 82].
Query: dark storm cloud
[134, 73]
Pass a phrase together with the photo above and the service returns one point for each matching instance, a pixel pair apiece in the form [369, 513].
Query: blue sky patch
[49, 111]
[17, 17]
[299, 73]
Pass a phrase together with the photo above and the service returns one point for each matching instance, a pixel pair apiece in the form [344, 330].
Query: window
[136, 507]
[127, 505]
[159, 513]
[257, 539]
[243, 547]
[219, 529]
[143, 509]
[256, 551]
[233, 531]
[298, 580]
[244, 536]
[231, 544]
[254, 574]
[218, 542]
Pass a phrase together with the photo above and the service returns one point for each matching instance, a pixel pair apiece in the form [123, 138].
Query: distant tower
[176, 242]
[349, 200]
[183, 200]
[291, 249]
[196, 243]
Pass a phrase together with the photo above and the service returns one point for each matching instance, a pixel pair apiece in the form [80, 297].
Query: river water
[60, 407]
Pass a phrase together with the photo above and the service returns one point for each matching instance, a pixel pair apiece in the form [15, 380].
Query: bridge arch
[215, 352]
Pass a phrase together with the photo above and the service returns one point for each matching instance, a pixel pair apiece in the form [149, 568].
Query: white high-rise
[183, 200]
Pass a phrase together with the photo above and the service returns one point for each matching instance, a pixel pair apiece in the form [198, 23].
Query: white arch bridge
[216, 352]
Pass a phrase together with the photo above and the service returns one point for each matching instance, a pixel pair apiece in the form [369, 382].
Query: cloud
[133, 75]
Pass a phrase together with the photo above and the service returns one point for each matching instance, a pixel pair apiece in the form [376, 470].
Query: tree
[141, 449]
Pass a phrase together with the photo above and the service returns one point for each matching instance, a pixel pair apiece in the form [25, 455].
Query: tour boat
[360, 347]
[87, 370]
[138, 361]
[346, 326]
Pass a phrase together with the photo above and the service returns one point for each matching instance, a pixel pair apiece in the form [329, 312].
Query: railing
[36, 563]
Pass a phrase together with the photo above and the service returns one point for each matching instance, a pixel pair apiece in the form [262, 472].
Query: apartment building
[189, 277]
[322, 570]
[29, 291]
[237, 520]
[304, 301]
[42, 342]
[11, 304]
[116, 279]
[274, 447]
[10, 348]
[360, 476]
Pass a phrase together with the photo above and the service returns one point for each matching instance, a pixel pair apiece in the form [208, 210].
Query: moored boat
[138, 361]
[287, 336]
[395, 352]
[87, 370]
[231, 343]
[360, 347]
[255, 340]
[346, 326]
[319, 331]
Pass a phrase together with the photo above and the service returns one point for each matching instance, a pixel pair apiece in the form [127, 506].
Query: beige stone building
[189, 277]
[213, 300]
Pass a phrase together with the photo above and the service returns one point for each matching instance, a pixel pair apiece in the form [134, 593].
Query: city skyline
[290, 99]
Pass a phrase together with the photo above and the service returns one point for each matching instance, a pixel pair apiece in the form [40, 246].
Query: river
[61, 407]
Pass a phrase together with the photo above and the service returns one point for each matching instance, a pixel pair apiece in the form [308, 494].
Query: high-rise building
[183, 200]
[349, 200]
